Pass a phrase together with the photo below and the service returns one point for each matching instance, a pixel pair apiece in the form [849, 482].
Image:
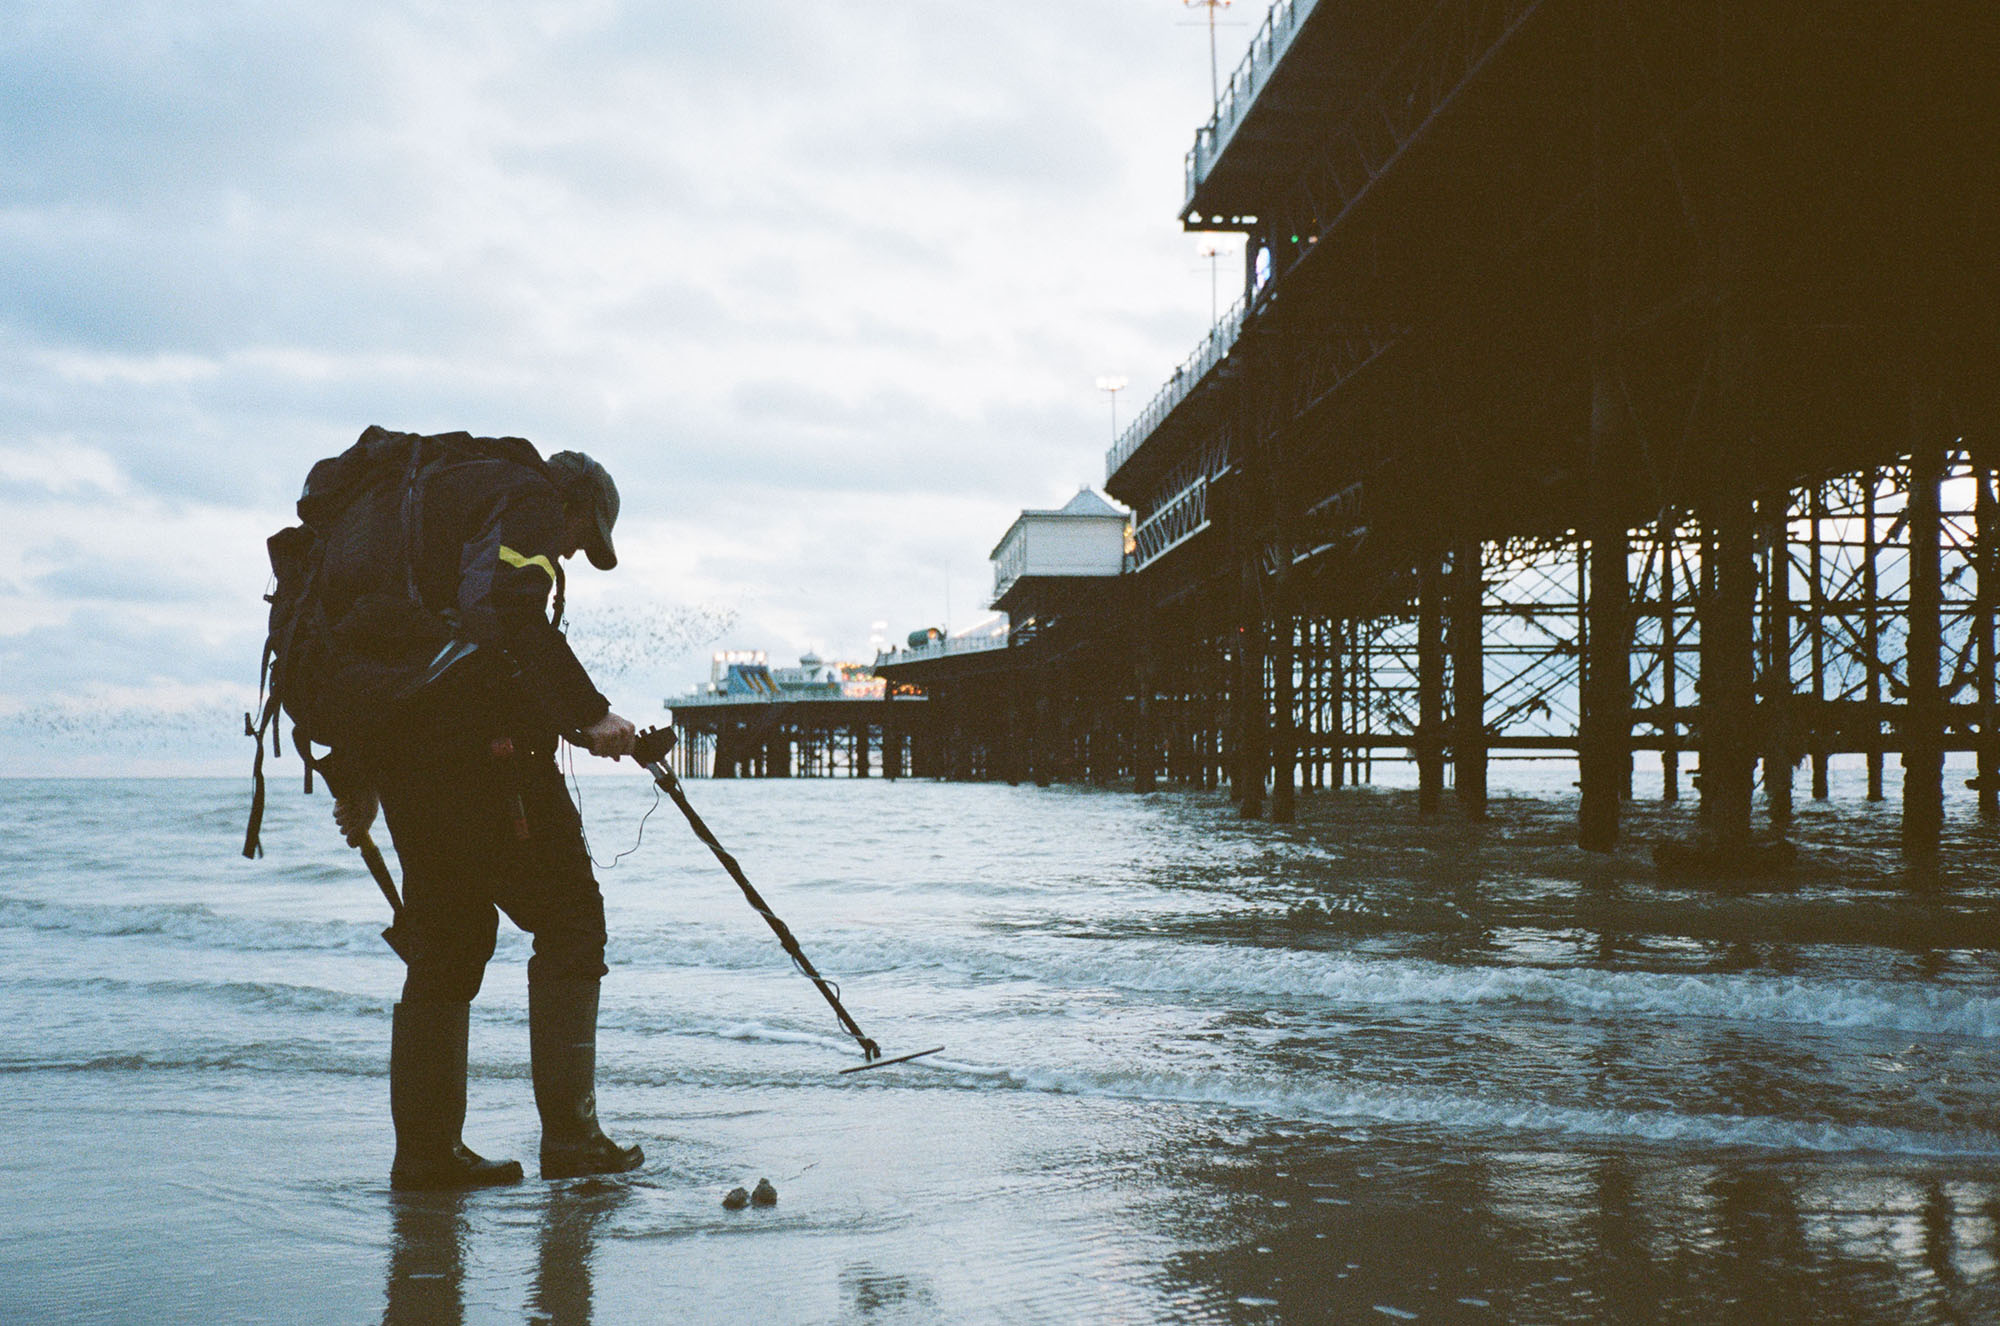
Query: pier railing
[971, 644]
[1268, 47]
[1214, 348]
[715, 699]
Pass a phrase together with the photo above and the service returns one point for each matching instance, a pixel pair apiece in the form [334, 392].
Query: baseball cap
[583, 480]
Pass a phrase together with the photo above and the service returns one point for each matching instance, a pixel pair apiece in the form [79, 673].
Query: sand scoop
[651, 749]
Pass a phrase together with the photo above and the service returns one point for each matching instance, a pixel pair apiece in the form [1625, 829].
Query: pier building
[1042, 694]
[1610, 380]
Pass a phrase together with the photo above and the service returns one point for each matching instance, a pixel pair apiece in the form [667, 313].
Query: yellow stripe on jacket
[512, 558]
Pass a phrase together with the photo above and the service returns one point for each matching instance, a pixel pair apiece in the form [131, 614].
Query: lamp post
[1111, 384]
[1214, 74]
[1213, 247]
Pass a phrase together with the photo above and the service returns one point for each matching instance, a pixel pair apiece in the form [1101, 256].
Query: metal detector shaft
[672, 787]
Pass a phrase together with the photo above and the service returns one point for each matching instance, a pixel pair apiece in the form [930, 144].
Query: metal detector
[651, 750]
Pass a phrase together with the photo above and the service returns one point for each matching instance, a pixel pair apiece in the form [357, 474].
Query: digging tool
[651, 750]
[386, 882]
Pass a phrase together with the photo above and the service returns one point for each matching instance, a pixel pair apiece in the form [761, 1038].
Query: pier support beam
[1145, 754]
[1727, 616]
[1604, 744]
[1430, 685]
[1468, 676]
[1728, 696]
[1816, 637]
[1604, 739]
[1923, 729]
[1778, 727]
[1336, 700]
[1671, 572]
[1986, 520]
[1044, 742]
[1246, 781]
[1871, 626]
[1284, 721]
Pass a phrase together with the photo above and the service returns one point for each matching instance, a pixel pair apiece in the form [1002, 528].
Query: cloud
[825, 287]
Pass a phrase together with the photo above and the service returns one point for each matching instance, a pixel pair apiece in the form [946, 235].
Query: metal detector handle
[652, 746]
[651, 749]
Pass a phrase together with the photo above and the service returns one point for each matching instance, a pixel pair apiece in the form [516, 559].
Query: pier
[1609, 382]
[812, 721]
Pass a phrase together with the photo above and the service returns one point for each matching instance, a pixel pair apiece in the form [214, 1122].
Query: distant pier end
[817, 720]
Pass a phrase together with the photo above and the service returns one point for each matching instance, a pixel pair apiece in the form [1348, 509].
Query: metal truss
[1837, 609]
[1831, 641]
[1317, 689]
[1665, 571]
[1534, 639]
[1445, 54]
[1179, 508]
[1327, 363]
[1204, 359]
[1380, 709]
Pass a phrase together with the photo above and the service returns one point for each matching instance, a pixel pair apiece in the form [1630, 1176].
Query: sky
[827, 286]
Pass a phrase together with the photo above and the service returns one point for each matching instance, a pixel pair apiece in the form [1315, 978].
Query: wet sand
[907, 1206]
[195, 1100]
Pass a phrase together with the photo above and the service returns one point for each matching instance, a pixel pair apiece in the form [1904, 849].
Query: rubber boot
[427, 1103]
[562, 1044]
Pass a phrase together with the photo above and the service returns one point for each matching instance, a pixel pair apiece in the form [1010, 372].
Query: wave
[1849, 1003]
[1342, 980]
[1340, 1104]
[273, 996]
[1180, 969]
[1458, 1114]
[188, 922]
[258, 1057]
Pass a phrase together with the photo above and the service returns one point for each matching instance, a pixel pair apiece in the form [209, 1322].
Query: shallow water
[1197, 1069]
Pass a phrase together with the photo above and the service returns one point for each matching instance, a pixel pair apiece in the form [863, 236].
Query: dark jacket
[484, 538]
[487, 553]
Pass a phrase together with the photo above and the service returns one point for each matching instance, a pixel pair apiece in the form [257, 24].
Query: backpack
[350, 644]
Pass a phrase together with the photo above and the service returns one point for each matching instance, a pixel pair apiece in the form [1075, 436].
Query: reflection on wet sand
[1346, 1228]
[573, 1217]
[868, 1292]
[427, 1236]
[428, 1256]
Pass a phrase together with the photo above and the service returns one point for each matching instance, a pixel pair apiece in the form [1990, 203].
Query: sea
[1195, 1068]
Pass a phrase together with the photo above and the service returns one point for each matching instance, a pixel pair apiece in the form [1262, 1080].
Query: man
[480, 816]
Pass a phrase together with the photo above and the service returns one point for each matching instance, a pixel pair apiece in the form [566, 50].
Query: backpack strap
[413, 516]
[253, 846]
[270, 696]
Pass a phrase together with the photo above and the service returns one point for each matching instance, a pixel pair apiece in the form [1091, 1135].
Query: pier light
[1111, 384]
[1214, 73]
[1214, 247]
